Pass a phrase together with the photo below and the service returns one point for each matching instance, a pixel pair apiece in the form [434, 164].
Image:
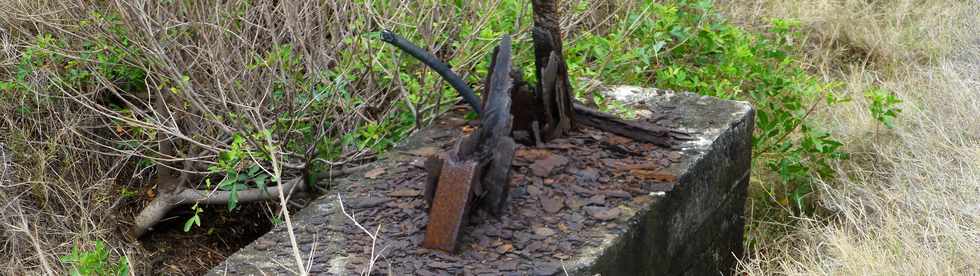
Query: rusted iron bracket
[450, 207]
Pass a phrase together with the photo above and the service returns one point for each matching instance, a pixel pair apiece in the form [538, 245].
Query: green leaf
[659, 46]
[123, 266]
[227, 183]
[233, 198]
[253, 170]
[260, 182]
[194, 220]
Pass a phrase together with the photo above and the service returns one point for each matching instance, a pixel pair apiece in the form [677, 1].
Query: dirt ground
[175, 252]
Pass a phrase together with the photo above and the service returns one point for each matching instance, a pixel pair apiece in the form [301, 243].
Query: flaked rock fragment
[657, 175]
[552, 204]
[603, 213]
[618, 194]
[597, 199]
[587, 175]
[544, 167]
[546, 269]
[508, 266]
[543, 231]
[405, 193]
[374, 173]
[504, 248]
[575, 202]
[368, 202]
[531, 154]
[534, 190]
[533, 246]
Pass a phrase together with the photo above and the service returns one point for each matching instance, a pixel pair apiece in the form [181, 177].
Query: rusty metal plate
[450, 204]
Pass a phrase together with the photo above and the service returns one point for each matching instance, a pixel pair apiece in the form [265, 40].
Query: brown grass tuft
[906, 203]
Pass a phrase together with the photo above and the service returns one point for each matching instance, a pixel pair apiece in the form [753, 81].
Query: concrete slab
[693, 226]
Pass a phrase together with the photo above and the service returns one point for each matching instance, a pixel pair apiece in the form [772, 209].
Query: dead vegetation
[905, 203]
[117, 112]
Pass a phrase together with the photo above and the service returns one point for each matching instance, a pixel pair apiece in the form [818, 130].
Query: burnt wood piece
[496, 179]
[525, 109]
[486, 82]
[476, 173]
[640, 131]
[554, 87]
[496, 124]
[524, 105]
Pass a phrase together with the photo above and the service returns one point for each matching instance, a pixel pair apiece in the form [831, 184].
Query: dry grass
[908, 201]
[68, 171]
[213, 69]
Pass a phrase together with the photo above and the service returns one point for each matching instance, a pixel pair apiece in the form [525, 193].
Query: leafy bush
[361, 96]
[884, 105]
[95, 262]
[687, 46]
[680, 45]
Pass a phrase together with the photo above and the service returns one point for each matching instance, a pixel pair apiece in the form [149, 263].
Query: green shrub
[95, 262]
[687, 46]
[680, 45]
[884, 105]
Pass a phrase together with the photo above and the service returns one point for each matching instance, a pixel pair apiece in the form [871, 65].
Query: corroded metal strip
[451, 203]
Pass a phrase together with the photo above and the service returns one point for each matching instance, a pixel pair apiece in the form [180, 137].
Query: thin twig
[277, 174]
[374, 237]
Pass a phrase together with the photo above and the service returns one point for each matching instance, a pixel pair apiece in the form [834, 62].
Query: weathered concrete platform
[692, 226]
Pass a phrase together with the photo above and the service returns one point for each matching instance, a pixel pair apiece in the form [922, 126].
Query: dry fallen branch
[163, 203]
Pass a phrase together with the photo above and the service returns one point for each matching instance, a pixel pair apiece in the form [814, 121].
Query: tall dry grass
[908, 200]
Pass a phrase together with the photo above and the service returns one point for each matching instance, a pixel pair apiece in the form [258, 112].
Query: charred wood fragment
[496, 143]
[640, 131]
[554, 88]
[526, 110]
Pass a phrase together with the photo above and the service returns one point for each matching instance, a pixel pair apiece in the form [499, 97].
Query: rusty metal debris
[478, 170]
[449, 210]
[475, 174]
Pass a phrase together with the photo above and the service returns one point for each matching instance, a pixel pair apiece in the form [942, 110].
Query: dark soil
[565, 195]
[175, 252]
